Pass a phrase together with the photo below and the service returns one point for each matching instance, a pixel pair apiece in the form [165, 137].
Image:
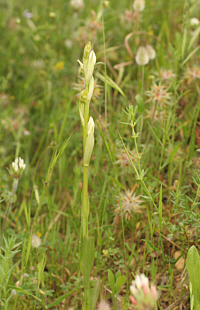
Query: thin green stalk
[8, 209]
[85, 205]
[105, 68]
[85, 211]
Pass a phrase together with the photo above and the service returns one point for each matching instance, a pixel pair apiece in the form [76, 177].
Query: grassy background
[39, 118]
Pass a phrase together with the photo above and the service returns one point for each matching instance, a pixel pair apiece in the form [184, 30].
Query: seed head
[192, 74]
[139, 5]
[77, 4]
[194, 21]
[142, 57]
[151, 52]
[159, 93]
[166, 74]
[123, 159]
[129, 204]
[35, 241]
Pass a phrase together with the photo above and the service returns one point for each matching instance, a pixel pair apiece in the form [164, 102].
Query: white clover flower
[142, 57]
[27, 14]
[151, 52]
[21, 163]
[144, 296]
[194, 21]
[35, 241]
[17, 168]
[139, 5]
[77, 4]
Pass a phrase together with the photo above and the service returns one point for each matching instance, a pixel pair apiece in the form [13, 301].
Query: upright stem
[85, 209]
[85, 204]
[8, 209]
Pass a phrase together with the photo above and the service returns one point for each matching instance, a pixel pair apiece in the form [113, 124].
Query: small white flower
[17, 168]
[27, 133]
[21, 163]
[35, 241]
[142, 57]
[194, 21]
[151, 52]
[139, 5]
[13, 292]
[52, 14]
[68, 43]
[27, 14]
[77, 4]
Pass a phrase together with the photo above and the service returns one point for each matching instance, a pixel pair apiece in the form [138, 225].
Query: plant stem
[85, 210]
[85, 204]
[8, 209]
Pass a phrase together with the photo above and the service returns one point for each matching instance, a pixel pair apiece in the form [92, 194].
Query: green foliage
[116, 282]
[193, 267]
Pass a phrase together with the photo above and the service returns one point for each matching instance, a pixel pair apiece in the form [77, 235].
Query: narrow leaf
[111, 280]
[110, 82]
[87, 258]
[120, 282]
[190, 55]
[140, 103]
[59, 299]
[94, 293]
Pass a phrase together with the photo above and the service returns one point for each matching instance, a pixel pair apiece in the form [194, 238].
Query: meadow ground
[144, 183]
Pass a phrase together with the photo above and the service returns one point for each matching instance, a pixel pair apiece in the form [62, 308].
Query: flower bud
[91, 88]
[82, 102]
[151, 52]
[35, 241]
[142, 57]
[89, 144]
[87, 50]
[139, 5]
[84, 96]
[86, 55]
[90, 67]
